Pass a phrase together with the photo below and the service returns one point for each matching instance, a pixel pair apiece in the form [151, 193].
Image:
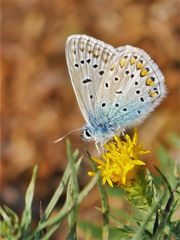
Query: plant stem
[72, 193]
[43, 222]
[105, 210]
[104, 204]
[55, 221]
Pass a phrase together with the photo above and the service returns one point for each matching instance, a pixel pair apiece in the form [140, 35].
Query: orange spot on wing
[150, 82]
[122, 62]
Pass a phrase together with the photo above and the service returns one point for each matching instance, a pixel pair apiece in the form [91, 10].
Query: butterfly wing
[130, 89]
[87, 61]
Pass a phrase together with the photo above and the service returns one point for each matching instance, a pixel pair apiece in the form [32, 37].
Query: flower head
[120, 160]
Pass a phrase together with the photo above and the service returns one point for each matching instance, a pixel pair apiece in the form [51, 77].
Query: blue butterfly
[115, 87]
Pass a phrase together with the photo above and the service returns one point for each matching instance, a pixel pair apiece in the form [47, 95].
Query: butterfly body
[99, 131]
[115, 88]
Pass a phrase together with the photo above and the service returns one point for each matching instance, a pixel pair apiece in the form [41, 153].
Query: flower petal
[119, 161]
[91, 174]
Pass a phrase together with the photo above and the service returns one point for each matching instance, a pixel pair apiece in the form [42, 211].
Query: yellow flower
[120, 160]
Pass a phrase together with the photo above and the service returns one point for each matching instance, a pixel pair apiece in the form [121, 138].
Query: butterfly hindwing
[132, 87]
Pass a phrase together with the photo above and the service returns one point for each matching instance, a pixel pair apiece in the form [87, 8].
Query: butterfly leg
[97, 147]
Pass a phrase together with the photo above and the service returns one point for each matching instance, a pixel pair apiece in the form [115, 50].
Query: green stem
[72, 194]
[54, 200]
[141, 230]
[164, 218]
[104, 204]
[55, 221]
[105, 210]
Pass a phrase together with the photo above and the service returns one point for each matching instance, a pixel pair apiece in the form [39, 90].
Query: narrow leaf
[27, 213]
[142, 228]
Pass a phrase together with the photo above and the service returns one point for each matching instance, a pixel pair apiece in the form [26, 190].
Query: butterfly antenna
[60, 139]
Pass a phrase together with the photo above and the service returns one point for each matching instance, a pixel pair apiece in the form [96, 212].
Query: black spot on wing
[87, 80]
[138, 91]
[118, 92]
[106, 85]
[101, 73]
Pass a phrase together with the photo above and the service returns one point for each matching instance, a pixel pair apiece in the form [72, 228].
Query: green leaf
[59, 190]
[45, 221]
[176, 230]
[27, 213]
[55, 221]
[10, 228]
[122, 233]
[140, 233]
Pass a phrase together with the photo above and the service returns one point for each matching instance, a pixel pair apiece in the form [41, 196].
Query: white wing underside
[120, 85]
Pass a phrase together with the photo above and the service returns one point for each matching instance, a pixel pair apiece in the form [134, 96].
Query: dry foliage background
[38, 103]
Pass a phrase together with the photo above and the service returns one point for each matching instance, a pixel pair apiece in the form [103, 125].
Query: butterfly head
[86, 134]
[99, 134]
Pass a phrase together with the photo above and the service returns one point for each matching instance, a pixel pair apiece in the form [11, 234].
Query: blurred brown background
[38, 103]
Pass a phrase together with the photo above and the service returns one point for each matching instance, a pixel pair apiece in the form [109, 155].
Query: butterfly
[115, 87]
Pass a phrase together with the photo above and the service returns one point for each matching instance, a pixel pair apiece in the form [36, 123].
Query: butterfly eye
[86, 134]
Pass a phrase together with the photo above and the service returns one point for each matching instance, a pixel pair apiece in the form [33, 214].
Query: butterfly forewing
[87, 60]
